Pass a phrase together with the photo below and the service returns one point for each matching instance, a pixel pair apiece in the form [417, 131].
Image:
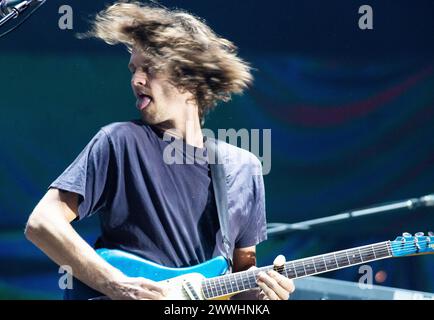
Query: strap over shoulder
[217, 159]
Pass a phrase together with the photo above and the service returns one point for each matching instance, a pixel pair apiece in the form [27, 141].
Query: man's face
[157, 99]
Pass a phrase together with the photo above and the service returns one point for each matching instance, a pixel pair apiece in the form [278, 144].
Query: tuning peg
[419, 234]
[406, 235]
[430, 233]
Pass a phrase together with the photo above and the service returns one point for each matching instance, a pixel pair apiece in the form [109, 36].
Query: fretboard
[240, 281]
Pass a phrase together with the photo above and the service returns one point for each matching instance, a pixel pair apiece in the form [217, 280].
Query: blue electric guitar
[208, 281]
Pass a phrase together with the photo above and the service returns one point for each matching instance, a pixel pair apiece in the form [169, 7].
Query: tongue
[144, 103]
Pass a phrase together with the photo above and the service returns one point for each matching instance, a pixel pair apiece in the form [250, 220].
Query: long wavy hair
[193, 57]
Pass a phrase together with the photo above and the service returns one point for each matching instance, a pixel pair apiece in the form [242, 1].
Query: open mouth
[143, 101]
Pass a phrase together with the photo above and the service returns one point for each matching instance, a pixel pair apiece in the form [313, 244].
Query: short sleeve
[89, 175]
[255, 230]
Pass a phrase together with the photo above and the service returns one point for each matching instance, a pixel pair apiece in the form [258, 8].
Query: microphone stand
[15, 11]
[275, 229]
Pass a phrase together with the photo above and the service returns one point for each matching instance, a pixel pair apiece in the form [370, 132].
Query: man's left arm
[272, 285]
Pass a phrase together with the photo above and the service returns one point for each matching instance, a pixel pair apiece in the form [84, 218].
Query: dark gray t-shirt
[163, 212]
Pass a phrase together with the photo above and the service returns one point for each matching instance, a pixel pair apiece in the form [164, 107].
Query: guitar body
[184, 283]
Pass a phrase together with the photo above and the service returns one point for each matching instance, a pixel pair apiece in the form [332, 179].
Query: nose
[139, 79]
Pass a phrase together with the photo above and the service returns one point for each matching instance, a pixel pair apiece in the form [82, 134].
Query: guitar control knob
[430, 233]
[406, 235]
[419, 234]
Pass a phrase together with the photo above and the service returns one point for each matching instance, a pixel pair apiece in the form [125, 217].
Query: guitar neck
[240, 281]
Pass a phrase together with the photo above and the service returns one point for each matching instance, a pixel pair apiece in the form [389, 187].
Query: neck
[186, 127]
[245, 280]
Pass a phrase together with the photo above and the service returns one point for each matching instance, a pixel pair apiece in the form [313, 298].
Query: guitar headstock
[408, 244]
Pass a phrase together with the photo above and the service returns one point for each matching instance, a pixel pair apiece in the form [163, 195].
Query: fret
[236, 279]
[219, 291]
[325, 264]
[320, 264]
[314, 266]
[231, 282]
[290, 271]
[354, 257]
[239, 280]
[360, 253]
[342, 259]
[295, 270]
[228, 285]
[330, 261]
[204, 286]
[309, 266]
[388, 249]
[373, 250]
[255, 277]
[299, 269]
[245, 280]
[234, 282]
[252, 279]
[223, 285]
[346, 256]
[304, 267]
[213, 287]
[381, 250]
[367, 253]
[217, 287]
[208, 287]
[337, 260]
[385, 250]
[285, 270]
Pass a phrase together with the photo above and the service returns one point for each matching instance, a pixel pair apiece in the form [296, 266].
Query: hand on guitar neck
[274, 286]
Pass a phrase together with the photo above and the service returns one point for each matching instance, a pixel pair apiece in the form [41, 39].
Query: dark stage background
[351, 114]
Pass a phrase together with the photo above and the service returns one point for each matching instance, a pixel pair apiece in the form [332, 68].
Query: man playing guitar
[163, 212]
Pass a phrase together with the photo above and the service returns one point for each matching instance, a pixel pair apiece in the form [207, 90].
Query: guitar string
[382, 248]
[247, 275]
[250, 275]
[364, 249]
[385, 247]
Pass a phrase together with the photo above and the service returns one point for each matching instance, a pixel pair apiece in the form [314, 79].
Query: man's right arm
[49, 228]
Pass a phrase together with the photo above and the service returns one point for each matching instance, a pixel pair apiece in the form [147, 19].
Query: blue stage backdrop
[351, 121]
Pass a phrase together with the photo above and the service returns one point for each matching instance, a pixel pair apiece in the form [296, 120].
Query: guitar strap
[218, 176]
